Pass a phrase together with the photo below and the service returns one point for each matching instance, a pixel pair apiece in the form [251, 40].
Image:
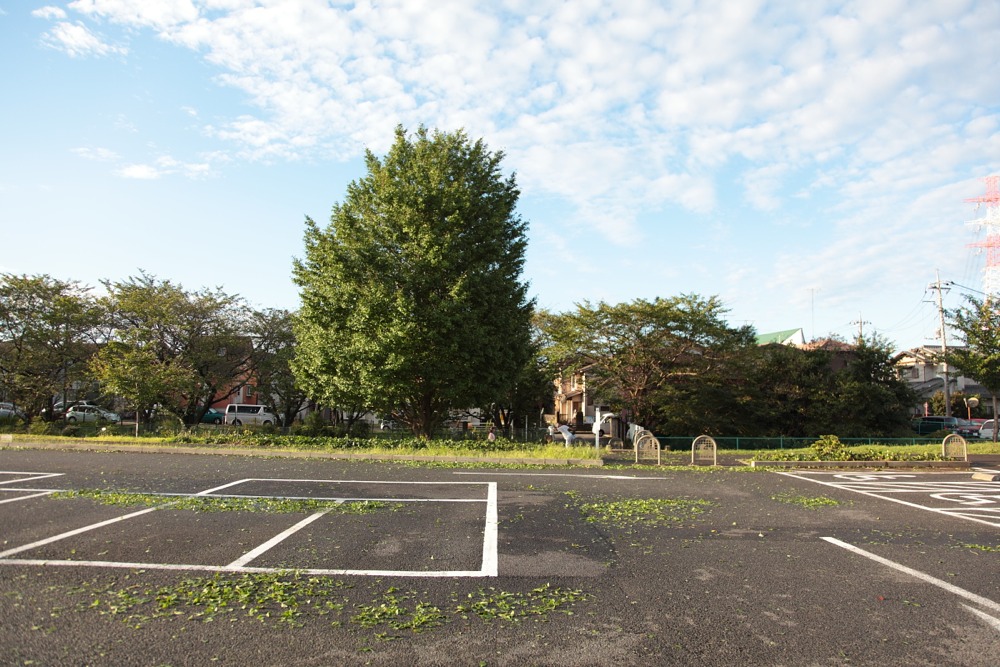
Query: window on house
[249, 391]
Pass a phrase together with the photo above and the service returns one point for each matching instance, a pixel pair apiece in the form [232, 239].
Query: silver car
[90, 413]
[8, 411]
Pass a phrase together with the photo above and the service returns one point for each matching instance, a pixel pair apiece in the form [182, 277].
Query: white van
[239, 414]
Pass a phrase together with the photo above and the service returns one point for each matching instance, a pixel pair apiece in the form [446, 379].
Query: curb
[7, 443]
[937, 465]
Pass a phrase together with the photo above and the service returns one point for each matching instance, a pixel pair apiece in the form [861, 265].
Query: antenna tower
[991, 221]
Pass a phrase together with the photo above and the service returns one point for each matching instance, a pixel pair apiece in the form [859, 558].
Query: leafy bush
[8, 424]
[42, 427]
[830, 448]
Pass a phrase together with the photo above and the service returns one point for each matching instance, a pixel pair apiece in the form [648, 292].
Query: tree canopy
[196, 344]
[412, 300]
[653, 359]
[979, 324]
[48, 330]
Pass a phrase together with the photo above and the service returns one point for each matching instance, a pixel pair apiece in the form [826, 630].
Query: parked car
[91, 413]
[968, 428]
[59, 408]
[213, 416]
[986, 430]
[8, 411]
[239, 414]
[932, 424]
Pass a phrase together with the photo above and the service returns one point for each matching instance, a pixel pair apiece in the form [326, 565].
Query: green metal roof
[776, 337]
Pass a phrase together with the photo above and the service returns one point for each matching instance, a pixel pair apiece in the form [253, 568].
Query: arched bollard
[703, 451]
[954, 448]
[645, 446]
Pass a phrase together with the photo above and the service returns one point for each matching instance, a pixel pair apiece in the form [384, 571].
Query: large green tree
[48, 329]
[662, 361]
[979, 324]
[412, 299]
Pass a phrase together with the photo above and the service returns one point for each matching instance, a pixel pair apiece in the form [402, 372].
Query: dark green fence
[780, 442]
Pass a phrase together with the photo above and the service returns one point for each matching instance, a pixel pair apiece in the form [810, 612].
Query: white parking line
[182, 567]
[995, 622]
[78, 531]
[490, 566]
[490, 558]
[31, 476]
[276, 540]
[937, 510]
[951, 588]
[33, 495]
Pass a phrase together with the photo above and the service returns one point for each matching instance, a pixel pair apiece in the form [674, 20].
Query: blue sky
[807, 162]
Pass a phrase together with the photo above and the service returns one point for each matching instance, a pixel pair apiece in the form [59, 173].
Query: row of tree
[413, 306]
[675, 366]
[146, 342]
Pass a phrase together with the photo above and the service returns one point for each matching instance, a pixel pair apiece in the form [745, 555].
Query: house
[841, 353]
[923, 369]
[572, 403]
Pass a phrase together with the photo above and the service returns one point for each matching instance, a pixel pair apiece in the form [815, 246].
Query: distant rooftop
[787, 337]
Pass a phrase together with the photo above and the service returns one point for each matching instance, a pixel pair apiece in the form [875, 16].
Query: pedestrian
[492, 435]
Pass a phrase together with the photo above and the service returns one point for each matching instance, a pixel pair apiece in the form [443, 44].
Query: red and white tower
[991, 221]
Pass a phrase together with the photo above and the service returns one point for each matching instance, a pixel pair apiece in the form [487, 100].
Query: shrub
[42, 427]
[830, 448]
[9, 423]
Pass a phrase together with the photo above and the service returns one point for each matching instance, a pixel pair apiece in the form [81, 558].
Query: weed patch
[280, 597]
[809, 502]
[492, 604]
[207, 504]
[291, 599]
[645, 512]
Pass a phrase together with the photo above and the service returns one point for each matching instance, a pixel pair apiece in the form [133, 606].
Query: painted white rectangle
[490, 557]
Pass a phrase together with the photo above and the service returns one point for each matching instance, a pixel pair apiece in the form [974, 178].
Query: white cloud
[165, 166]
[96, 154]
[75, 39]
[160, 14]
[51, 13]
[142, 172]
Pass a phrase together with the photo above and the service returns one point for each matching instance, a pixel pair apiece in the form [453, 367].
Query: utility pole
[944, 342]
[861, 328]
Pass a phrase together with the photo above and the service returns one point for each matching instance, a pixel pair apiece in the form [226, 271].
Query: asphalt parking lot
[156, 559]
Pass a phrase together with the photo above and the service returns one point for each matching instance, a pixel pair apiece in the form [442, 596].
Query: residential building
[923, 369]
